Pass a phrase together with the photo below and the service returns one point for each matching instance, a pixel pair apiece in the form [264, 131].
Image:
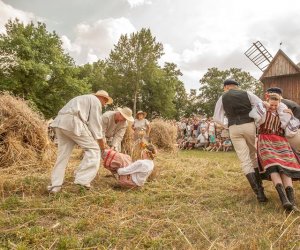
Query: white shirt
[219, 114]
[80, 115]
[139, 171]
[111, 129]
[202, 138]
[141, 124]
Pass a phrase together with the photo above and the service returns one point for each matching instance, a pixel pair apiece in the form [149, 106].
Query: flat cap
[275, 90]
[230, 82]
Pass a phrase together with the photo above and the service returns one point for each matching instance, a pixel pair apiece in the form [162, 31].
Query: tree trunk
[134, 103]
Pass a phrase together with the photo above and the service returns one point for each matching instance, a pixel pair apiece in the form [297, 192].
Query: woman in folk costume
[277, 160]
[113, 160]
[136, 174]
[141, 125]
[130, 174]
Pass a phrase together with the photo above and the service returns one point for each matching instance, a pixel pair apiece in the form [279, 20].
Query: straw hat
[141, 112]
[126, 113]
[104, 94]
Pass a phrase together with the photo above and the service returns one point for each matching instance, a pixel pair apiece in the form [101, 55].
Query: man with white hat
[79, 122]
[114, 125]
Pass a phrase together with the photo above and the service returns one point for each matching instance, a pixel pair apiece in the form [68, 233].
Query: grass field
[195, 200]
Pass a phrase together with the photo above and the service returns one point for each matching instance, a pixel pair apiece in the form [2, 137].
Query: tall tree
[43, 72]
[131, 60]
[212, 86]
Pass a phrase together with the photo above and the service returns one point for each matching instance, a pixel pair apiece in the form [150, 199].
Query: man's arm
[219, 113]
[118, 136]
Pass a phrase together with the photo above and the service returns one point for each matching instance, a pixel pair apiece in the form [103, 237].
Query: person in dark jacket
[232, 110]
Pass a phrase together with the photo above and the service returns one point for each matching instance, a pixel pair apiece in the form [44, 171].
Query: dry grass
[197, 200]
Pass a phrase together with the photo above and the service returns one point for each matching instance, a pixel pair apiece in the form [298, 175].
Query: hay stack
[163, 134]
[23, 135]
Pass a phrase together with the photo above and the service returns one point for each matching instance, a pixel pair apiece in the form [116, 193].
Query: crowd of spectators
[202, 133]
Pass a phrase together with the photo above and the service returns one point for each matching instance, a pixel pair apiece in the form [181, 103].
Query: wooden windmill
[279, 71]
[259, 55]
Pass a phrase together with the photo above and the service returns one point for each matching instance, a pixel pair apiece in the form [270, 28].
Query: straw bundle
[23, 134]
[163, 134]
[127, 142]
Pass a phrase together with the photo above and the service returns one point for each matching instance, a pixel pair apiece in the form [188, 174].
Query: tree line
[34, 65]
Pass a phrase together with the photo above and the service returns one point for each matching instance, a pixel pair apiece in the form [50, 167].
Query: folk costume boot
[260, 185]
[283, 197]
[291, 197]
[290, 194]
[257, 188]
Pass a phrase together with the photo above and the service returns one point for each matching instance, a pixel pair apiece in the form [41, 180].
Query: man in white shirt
[114, 125]
[79, 122]
[202, 139]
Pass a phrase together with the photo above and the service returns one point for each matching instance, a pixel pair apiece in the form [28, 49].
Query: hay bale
[23, 135]
[163, 134]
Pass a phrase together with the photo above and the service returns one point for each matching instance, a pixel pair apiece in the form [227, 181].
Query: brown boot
[283, 197]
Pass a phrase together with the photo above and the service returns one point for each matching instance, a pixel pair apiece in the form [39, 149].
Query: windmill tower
[259, 55]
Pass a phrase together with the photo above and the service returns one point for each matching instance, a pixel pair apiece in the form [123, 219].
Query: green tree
[212, 86]
[133, 58]
[160, 93]
[43, 72]
[94, 75]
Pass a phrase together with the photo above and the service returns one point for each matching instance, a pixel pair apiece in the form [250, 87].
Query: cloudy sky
[196, 34]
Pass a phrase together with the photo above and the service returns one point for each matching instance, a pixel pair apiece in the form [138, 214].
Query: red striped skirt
[276, 155]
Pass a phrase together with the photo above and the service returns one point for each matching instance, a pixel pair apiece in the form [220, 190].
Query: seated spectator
[212, 142]
[191, 142]
[202, 139]
[218, 145]
[227, 145]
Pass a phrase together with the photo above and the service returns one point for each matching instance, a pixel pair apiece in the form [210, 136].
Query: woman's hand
[288, 111]
[267, 105]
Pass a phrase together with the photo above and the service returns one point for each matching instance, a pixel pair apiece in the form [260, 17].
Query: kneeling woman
[130, 174]
[277, 160]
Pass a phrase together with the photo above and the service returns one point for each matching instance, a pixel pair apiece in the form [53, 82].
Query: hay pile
[127, 142]
[24, 142]
[163, 134]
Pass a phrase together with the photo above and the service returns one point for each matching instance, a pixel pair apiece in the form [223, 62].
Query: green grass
[196, 200]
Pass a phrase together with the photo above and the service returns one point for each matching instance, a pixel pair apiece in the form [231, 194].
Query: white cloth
[141, 124]
[139, 171]
[219, 113]
[89, 165]
[78, 122]
[202, 138]
[79, 115]
[112, 131]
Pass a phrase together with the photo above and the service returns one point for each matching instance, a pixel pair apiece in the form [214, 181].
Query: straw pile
[163, 134]
[127, 142]
[24, 141]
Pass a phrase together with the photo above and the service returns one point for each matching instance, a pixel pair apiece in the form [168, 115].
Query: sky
[196, 34]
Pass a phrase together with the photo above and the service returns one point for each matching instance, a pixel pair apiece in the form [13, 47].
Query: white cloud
[8, 12]
[95, 41]
[135, 3]
[69, 46]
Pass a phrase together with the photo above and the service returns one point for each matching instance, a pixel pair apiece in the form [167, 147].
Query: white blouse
[139, 171]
